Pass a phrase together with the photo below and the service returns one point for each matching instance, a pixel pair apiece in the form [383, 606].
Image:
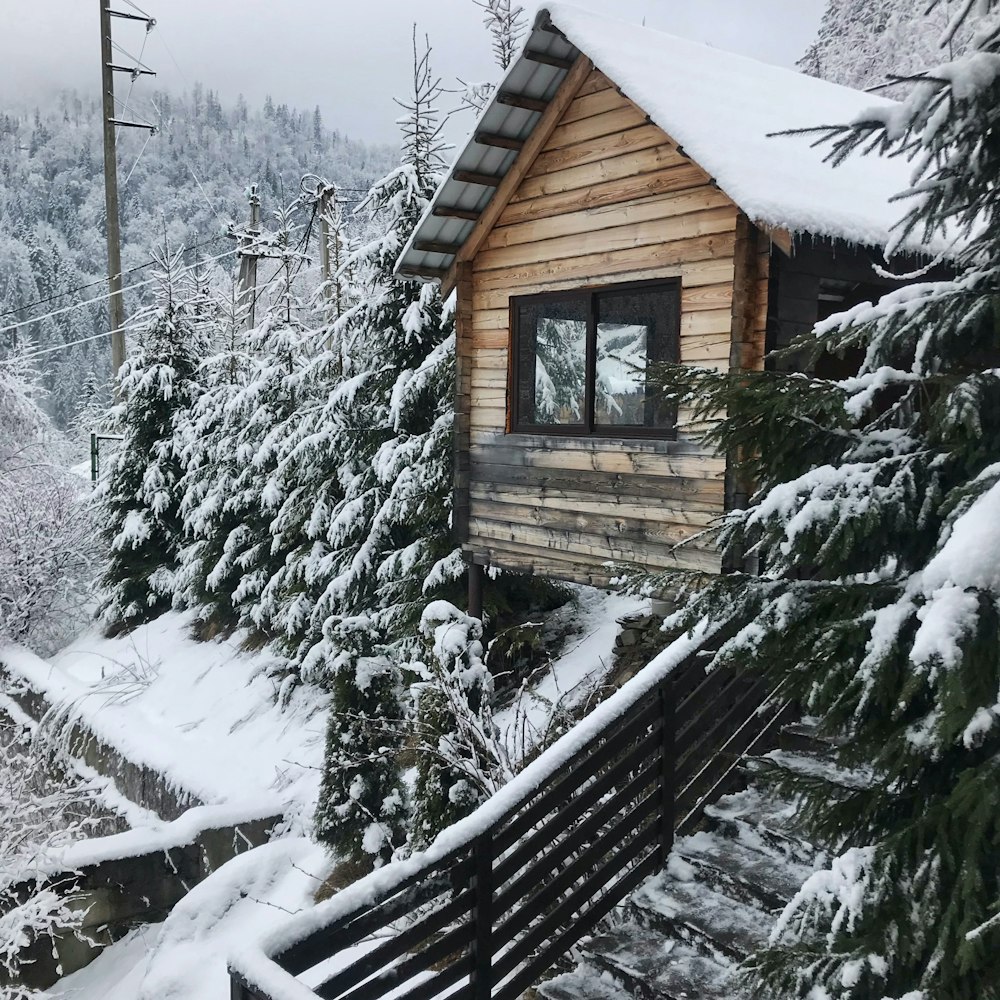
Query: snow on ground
[206, 714]
[203, 714]
[585, 660]
[184, 958]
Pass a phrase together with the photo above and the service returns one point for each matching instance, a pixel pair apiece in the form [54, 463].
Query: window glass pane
[633, 329]
[551, 381]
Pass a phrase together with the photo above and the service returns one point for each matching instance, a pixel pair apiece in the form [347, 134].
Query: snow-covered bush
[46, 532]
[41, 811]
[47, 557]
[456, 737]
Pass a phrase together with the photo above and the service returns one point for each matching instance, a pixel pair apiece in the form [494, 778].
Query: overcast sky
[348, 56]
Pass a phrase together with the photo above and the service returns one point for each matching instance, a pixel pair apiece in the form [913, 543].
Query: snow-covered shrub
[456, 738]
[47, 557]
[46, 533]
[42, 810]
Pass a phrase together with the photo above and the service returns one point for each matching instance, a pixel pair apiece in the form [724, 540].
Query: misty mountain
[179, 187]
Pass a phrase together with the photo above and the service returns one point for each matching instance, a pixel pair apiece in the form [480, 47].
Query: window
[581, 359]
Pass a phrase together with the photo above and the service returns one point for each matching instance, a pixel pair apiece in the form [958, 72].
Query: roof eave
[515, 108]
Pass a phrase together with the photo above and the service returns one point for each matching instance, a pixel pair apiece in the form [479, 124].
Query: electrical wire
[125, 52]
[131, 87]
[108, 295]
[75, 343]
[138, 10]
[103, 281]
[137, 159]
[142, 122]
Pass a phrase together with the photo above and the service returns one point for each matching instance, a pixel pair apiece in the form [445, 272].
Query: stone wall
[138, 783]
[119, 894]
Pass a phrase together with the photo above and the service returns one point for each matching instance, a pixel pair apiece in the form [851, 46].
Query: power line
[106, 296]
[100, 281]
[75, 343]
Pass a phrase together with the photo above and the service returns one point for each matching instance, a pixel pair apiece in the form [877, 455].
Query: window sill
[661, 442]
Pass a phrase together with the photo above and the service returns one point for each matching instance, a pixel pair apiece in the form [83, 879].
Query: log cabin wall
[609, 199]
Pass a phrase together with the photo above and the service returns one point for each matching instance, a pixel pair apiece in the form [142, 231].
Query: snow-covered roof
[721, 108]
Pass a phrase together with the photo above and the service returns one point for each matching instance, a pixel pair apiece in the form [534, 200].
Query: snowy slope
[203, 714]
[229, 716]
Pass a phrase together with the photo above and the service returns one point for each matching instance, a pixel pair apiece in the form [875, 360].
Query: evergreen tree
[211, 471]
[233, 491]
[138, 499]
[861, 43]
[363, 805]
[504, 20]
[382, 528]
[877, 604]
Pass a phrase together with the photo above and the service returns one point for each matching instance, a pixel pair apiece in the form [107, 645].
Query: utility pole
[116, 303]
[249, 256]
[330, 239]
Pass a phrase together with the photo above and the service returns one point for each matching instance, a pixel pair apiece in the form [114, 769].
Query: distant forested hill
[188, 182]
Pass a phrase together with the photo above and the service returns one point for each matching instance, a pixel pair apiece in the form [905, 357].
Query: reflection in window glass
[633, 329]
[553, 362]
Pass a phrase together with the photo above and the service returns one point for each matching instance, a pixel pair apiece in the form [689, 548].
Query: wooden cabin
[623, 199]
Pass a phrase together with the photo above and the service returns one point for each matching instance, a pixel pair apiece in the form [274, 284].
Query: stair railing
[503, 895]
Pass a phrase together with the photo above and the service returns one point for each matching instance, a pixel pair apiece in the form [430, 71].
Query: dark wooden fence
[497, 911]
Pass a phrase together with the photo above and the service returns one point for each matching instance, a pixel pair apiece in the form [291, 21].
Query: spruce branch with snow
[506, 25]
[877, 604]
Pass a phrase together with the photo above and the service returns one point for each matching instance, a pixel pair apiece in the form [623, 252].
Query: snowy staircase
[682, 934]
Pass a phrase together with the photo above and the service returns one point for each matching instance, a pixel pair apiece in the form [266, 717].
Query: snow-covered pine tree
[363, 804]
[861, 43]
[92, 406]
[138, 499]
[234, 553]
[386, 542]
[311, 451]
[877, 605]
[389, 534]
[505, 22]
[210, 473]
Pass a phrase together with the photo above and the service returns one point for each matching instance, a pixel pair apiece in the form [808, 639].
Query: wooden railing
[509, 891]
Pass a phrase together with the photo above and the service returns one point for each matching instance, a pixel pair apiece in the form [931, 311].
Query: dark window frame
[589, 428]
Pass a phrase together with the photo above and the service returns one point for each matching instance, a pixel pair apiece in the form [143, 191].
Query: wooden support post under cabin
[751, 256]
[462, 433]
[477, 574]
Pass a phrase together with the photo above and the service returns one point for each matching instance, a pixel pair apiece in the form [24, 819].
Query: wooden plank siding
[608, 198]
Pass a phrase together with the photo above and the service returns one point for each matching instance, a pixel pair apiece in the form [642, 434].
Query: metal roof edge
[407, 268]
